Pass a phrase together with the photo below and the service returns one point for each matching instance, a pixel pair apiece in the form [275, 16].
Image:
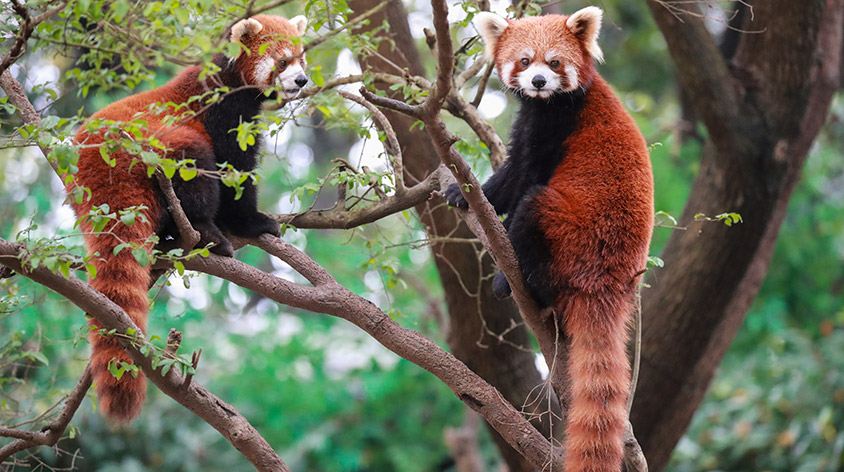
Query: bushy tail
[600, 381]
[125, 282]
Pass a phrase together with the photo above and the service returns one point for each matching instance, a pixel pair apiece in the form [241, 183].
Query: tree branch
[334, 299]
[347, 219]
[28, 25]
[702, 71]
[217, 413]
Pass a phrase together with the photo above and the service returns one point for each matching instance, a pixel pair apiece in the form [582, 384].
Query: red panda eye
[525, 62]
[554, 64]
[282, 63]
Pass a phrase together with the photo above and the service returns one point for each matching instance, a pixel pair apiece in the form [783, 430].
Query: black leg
[241, 217]
[200, 198]
[532, 251]
[499, 190]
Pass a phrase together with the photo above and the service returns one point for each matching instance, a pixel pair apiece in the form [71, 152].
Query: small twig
[28, 25]
[194, 362]
[391, 145]
[50, 434]
[354, 21]
[479, 95]
[174, 340]
[340, 218]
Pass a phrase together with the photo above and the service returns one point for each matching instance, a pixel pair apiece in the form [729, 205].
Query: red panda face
[273, 58]
[539, 57]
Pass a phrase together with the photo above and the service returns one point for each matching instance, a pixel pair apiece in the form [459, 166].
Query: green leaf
[188, 173]
[141, 255]
[128, 218]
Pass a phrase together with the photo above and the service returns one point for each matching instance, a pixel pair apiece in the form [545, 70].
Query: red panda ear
[300, 23]
[586, 25]
[245, 28]
[490, 26]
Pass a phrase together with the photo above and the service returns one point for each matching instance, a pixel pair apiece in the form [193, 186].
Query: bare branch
[445, 58]
[392, 144]
[17, 97]
[50, 434]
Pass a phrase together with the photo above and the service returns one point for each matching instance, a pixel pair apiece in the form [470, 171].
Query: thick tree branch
[702, 72]
[334, 299]
[702, 309]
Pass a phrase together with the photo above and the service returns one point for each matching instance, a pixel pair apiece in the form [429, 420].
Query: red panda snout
[542, 78]
[286, 72]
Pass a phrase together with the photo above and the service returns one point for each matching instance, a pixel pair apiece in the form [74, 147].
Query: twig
[28, 25]
[479, 95]
[339, 218]
[354, 21]
[50, 434]
[392, 144]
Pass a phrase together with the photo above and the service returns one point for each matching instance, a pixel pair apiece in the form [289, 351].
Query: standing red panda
[578, 192]
[271, 57]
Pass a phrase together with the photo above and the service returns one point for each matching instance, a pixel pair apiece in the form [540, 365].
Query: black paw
[223, 247]
[255, 225]
[455, 198]
[500, 286]
[209, 233]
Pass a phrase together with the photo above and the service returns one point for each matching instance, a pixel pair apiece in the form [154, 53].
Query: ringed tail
[125, 282]
[600, 385]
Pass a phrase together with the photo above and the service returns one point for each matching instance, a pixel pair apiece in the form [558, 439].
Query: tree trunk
[475, 316]
[763, 112]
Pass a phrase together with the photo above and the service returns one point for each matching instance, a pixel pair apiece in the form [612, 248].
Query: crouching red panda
[270, 57]
[577, 189]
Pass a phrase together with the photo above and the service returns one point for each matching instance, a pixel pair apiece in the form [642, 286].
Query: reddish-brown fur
[120, 277]
[596, 214]
[597, 217]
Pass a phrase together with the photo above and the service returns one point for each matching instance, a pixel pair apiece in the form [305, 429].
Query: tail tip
[121, 400]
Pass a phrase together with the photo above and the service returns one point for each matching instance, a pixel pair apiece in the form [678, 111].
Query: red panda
[577, 189]
[270, 57]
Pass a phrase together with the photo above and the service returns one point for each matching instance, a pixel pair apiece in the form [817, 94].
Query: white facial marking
[571, 73]
[528, 53]
[506, 73]
[287, 79]
[264, 70]
[542, 75]
[551, 54]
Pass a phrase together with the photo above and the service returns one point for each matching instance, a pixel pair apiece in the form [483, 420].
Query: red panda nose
[538, 81]
[301, 81]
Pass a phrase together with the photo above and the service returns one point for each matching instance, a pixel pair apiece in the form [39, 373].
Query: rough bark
[475, 316]
[762, 112]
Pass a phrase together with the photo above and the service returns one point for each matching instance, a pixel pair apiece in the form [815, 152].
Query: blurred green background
[329, 398]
